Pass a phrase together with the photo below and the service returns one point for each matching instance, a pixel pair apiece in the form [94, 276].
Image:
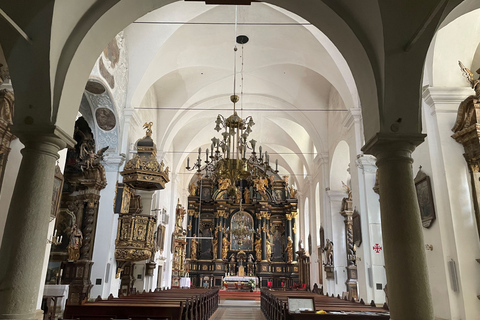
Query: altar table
[238, 283]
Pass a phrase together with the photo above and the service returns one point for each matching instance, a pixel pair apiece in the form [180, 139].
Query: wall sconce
[429, 247]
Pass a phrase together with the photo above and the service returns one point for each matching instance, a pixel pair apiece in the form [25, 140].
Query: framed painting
[423, 188]
[57, 192]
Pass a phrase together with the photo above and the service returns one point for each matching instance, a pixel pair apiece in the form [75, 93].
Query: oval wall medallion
[105, 119]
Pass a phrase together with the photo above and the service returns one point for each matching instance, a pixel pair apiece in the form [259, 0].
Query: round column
[26, 228]
[405, 262]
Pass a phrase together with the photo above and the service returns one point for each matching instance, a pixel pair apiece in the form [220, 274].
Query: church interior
[281, 146]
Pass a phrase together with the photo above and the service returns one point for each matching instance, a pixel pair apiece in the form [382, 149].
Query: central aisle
[238, 310]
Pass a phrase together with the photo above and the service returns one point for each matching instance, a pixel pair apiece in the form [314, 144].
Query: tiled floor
[238, 310]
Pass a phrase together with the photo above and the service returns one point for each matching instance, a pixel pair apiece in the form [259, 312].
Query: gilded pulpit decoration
[179, 245]
[143, 172]
[6, 116]
[136, 229]
[467, 132]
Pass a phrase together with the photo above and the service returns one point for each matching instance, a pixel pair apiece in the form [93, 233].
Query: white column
[370, 262]
[24, 241]
[405, 262]
[337, 286]
[322, 160]
[105, 265]
[314, 232]
[453, 235]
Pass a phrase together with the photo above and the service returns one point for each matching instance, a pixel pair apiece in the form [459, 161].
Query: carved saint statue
[258, 249]
[215, 247]
[466, 115]
[289, 250]
[269, 250]
[225, 247]
[75, 243]
[223, 184]
[246, 195]
[193, 246]
[329, 253]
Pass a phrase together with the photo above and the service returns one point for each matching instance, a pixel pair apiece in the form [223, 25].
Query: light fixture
[227, 157]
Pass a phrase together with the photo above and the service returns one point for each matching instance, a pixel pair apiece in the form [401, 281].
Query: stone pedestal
[77, 274]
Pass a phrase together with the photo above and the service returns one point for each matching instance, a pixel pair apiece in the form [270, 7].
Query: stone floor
[238, 310]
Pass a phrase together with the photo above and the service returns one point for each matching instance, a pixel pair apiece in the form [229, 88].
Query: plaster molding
[353, 116]
[131, 116]
[321, 159]
[445, 99]
[366, 162]
[112, 162]
[336, 195]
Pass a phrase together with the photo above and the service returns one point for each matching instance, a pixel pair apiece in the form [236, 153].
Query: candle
[276, 165]
[188, 162]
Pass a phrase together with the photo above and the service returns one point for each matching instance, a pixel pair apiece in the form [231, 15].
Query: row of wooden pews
[274, 305]
[171, 304]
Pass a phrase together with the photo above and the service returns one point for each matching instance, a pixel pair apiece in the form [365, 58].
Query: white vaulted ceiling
[182, 54]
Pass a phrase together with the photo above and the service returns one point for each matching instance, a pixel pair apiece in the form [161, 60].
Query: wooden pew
[274, 305]
[173, 304]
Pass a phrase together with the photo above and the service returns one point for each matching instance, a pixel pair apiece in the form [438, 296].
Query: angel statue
[466, 115]
[91, 158]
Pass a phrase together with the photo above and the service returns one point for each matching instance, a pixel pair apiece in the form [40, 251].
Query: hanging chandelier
[227, 157]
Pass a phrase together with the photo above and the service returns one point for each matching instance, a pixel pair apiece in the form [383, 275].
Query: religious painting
[160, 237]
[57, 192]
[105, 119]
[425, 198]
[357, 229]
[241, 231]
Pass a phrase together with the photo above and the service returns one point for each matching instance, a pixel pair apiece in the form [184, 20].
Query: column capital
[42, 136]
[366, 162]
[391, 146]
[112, 162]
[334, 195]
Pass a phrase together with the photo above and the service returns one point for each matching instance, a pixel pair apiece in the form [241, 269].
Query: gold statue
[223, 184]
[293, 192]
[148, 126]
[269, 250]
[258, 249]
[246, 195]
[238, 195]
[225, 247]
[215, 246]
[192, 188]
[75, 243]
[193, 248]
[289, 250]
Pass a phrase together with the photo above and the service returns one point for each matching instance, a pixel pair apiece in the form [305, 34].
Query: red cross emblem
[377, 248]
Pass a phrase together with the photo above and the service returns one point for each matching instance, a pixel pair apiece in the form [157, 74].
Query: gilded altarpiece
[246, 231]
